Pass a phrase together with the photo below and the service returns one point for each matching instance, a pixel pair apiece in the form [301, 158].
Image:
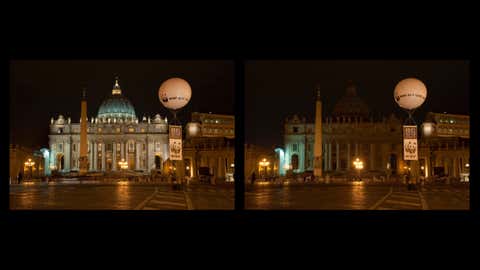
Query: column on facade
[114, 156]
[147, 153]
[137, 156]
[122, 150]
[329, 156]
[325, 157]
[455, 167]
[66, 161]
[356, 150]
[193, 166]
[90, 156]
[372, 156]
[348, 156]
[220, 167]
[338, 156]
[103, 156]
[95, 155]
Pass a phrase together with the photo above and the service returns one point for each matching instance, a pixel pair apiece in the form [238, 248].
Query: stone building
[350, 131]
[444, 145]
[115, 134]
[209, 147]
[17, 158]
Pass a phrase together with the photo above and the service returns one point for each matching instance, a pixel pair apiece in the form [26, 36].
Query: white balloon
[174, 93]
[410, 93]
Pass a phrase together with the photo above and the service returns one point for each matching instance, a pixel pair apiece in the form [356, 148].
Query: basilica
[115, 135]
[350, 131]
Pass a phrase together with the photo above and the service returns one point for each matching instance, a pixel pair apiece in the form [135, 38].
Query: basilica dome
[116, 106]
[350, 104]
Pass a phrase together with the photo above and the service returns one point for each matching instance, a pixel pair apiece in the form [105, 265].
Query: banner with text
[175, 142]
[410, 146]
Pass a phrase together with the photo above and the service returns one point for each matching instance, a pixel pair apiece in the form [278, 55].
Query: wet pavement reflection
[314, 197]
[354, 196]
[115, 196]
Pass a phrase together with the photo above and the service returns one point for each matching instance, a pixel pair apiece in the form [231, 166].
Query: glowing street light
[123, 164]
[358, 166]
[264, 163]
[30, 164]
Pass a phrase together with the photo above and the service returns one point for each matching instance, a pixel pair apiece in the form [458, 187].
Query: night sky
[277, 89]
[40, 90]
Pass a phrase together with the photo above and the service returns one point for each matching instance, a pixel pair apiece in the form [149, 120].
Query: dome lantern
[116, 105]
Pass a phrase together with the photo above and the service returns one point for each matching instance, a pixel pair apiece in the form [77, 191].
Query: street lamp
[264, 163]
[358, 166]
[123, 164]
[30, 163]
[427, 130]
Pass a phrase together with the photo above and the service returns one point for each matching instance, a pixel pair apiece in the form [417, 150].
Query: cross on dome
[116, 88]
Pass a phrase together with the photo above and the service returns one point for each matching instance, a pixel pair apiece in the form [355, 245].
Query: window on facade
[143, 130]
[118, 129]
[74, 147]
[295, 129]
[118, 147]
[109, 147]
[131, 130]
[99, 129]
[60, 147]
[131, 147]
[157, 146]
[295, 147]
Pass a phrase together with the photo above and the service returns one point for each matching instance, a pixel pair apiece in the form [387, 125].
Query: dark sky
[40, 90]
[276, 89]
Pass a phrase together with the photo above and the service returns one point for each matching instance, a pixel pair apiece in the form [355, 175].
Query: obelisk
[83, 135]
[317, 150]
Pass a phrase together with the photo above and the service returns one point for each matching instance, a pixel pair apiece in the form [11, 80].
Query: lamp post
[123, 165]
[427, 131]
[264, 163]
[358, 166]
[29, 163]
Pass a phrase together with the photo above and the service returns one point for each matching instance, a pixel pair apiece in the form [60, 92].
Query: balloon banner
[175, 142]
[410, 146]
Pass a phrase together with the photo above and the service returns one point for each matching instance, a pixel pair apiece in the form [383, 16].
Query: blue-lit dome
[116, 105]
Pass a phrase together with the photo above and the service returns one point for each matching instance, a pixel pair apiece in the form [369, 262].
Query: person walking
[20, 177]
[253, 178]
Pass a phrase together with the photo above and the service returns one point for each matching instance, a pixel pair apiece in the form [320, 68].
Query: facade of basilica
[349, 132]
[115, 134]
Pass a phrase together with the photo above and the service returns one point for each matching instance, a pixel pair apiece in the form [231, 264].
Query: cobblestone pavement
[119, 196]
[357, 196]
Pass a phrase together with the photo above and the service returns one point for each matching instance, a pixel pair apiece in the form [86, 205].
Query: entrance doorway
[60, 162]
[158, 162]
[295, 162]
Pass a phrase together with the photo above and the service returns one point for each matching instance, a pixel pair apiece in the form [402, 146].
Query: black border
[240, 55]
